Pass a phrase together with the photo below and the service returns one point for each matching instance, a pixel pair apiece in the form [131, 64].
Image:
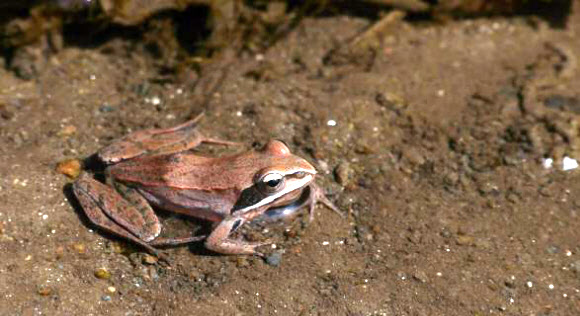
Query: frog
[157, 169]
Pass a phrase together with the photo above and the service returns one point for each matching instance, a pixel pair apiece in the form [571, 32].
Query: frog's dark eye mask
[270, 187]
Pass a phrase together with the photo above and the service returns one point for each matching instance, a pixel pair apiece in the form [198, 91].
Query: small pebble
[69, 167]
[59, 252]
[111, 289]
[44, 290]
[414, 156]
[242, 262]
[463, 240]
[274, 259]
[105, 108]
[68, 130]
[117, 247]
[343, 173]
[102, 274]
[79, 248]
[149, 259]
[420, 276]
[364, 148]
[5, 113]
[196, 275]
[391, 101]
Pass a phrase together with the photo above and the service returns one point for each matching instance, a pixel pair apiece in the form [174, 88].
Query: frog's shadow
[93, 164]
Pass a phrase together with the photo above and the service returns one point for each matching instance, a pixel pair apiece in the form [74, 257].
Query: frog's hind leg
[158, 142]
[144, 208]
[108, 210]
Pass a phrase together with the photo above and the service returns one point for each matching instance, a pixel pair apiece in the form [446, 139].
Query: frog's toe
[235, 247]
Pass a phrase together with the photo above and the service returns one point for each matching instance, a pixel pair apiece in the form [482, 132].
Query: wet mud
[445, 143]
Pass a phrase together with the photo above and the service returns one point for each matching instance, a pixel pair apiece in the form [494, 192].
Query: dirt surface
[435, 147]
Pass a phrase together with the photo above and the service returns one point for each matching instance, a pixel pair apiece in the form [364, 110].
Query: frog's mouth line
[252, 198]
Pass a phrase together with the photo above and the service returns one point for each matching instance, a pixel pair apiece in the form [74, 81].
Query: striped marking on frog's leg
[147, 226]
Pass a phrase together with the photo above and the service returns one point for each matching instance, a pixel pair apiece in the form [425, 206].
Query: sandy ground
[435, 147]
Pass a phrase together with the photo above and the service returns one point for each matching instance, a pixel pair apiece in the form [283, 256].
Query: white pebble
[569, 163]
[547, 163]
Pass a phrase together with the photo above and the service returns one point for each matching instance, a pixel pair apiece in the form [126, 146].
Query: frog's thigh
[219, 240]
[148, 221]
[100, 201]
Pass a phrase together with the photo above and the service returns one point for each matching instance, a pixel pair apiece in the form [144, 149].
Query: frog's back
[184, 171]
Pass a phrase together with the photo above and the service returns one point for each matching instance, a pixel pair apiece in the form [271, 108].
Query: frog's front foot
[220, 242]
[318, 195]
[311, 195]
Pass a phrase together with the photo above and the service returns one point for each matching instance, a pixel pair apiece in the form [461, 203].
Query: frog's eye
[271, 182]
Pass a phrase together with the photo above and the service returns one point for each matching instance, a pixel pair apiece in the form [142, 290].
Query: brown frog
[155, 167]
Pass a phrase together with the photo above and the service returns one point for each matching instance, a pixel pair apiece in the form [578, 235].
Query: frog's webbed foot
[219, 240]
[317, 195]
[158, 142]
